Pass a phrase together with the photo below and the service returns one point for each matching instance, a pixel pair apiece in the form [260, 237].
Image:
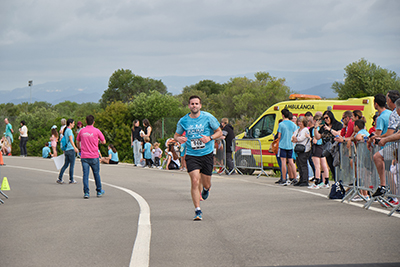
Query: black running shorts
[203, 163]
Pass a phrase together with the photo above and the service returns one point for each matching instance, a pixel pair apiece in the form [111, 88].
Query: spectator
[329, 128]
[147, 152]
[5, 146]
[9, 133]
[136, 140]
[79, 126]
[228, 135]
[373, 129]
[69, 153]
[302, 137]
[54, 139]
[88, 140]
[172, 158]
[112, 156]
[46, 152]
[319, 160]
[285, 131]
[359, 134]
[23, 131]
[278, 159]
[147, 129]
[382, 122]
[348, 127]
[157, 153]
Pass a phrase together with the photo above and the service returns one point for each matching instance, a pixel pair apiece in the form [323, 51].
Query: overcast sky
[50, 40]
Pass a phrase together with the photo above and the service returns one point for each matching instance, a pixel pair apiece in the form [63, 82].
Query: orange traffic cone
[1, 159]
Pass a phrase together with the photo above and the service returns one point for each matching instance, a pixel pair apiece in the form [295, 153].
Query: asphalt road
[246, 222]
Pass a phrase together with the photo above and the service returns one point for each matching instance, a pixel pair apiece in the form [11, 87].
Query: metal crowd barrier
[248, 156]
[357, 171]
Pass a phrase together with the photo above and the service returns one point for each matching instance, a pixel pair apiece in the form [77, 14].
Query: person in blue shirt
[46, 152]
[201, 129]
[112, 156]
[285, 131]
[382, 122]
[69, 153]
[147, 152]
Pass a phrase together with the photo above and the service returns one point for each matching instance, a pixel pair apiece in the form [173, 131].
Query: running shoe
[381, 190]
[205, 193]
[326, 186]
[357, 199]
[86, 196]
[198, 216]
[99, 194]
[73, 182]
[60, 181]
[279, 181]
[314, 186]
[321, 185]
[391, 201]
[288, 182]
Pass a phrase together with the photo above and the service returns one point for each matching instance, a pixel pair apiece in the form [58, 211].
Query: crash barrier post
[345, 171]
[248, 156]
[220, 156]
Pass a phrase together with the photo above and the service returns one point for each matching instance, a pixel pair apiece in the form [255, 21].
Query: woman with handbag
[301, 139]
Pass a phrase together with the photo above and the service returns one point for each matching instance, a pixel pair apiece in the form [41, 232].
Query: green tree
[124, 85]
[155, 106]
[114, 122]
[66, 109]
[365, 79]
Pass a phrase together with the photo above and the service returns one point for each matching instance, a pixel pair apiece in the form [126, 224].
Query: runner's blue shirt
[286, 128]
[205, 125]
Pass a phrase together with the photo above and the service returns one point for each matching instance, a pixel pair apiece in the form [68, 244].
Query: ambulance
[266, 126]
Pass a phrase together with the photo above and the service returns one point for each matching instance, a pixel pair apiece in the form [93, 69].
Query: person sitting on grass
[112, 156]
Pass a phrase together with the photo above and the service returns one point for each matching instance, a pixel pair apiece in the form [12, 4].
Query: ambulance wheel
[245, 161]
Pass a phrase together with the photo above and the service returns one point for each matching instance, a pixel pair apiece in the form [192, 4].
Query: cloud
[52, 40]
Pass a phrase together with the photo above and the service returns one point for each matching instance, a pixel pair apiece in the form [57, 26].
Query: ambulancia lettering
[299, 106]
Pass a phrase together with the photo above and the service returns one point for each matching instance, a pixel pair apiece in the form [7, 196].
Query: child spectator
[5, 146]
[46, 152]
[147, 152]
[157, 152]
[112, 156]
[173, 158]
[373, 129]
[54, 139]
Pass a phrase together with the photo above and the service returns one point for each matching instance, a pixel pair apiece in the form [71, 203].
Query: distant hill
[323, 90]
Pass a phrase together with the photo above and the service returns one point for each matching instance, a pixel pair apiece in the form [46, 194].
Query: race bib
[197, 144]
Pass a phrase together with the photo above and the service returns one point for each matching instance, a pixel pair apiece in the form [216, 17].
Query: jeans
[22, 146]
[69, 159]
[136, 153]
[94, 164]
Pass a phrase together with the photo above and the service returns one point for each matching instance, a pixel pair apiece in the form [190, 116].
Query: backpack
[64, 143]
[337, 191]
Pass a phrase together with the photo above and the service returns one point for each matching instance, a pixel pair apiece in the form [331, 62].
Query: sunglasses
[326, 118]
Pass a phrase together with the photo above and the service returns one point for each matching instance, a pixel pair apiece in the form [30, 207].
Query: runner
[201, 129]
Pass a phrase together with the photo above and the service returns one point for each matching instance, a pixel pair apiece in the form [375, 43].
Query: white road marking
[141, 249]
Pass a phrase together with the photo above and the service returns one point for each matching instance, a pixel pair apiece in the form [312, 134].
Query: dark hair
[54, 132]
[46, 144]
[380, 99]
[285, 112]
[171, 148]
[146, 122]
[290, 115]
[308, 114]
[23, 122]
[90, 120]
[373, 119]
[113, 148]
[69, 121]
[360, 124]
[348, 114]
[193, 97]
[330, 115]
[134, 122]
[393, 95]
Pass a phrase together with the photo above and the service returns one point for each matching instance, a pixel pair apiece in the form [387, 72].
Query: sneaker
[160, 168]
[314, 186]
[86, 196]
[99, 194]
[321, 185]
[60, 181]
[326, 186]
[198, 216]
[367, 198]
[205, 193]
[73, 182]
[357, 199]
[392, 202]
[279, 181]
[381, 190]
[288, 182]
[146, 167]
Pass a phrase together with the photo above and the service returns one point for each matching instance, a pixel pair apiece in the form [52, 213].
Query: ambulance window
[264, 127]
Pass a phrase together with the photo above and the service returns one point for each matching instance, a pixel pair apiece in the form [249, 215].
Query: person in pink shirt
[88, 140]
